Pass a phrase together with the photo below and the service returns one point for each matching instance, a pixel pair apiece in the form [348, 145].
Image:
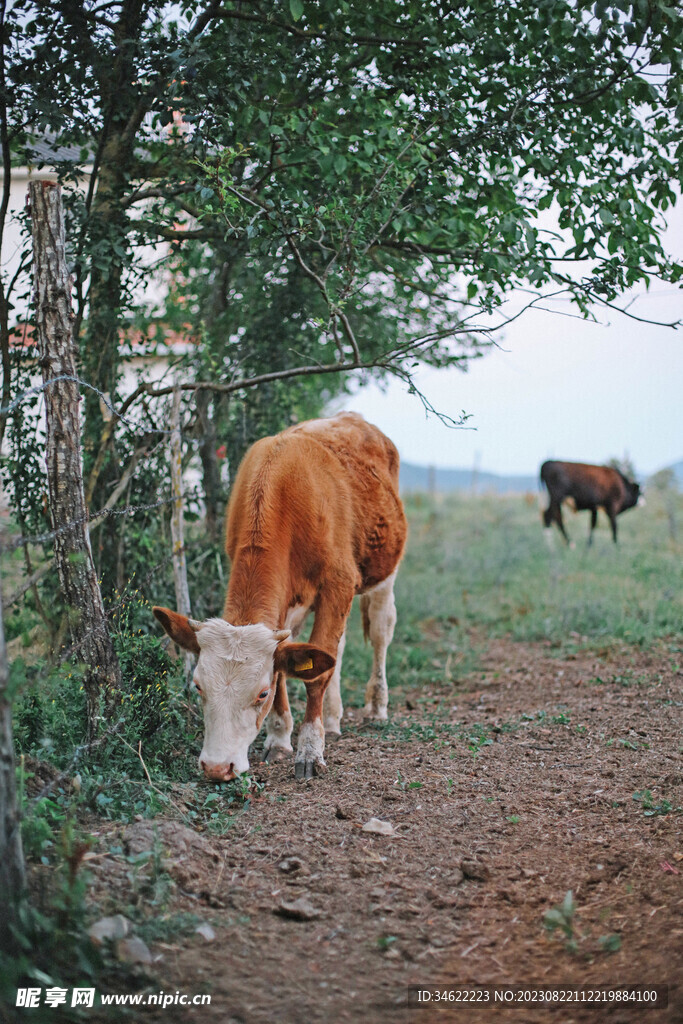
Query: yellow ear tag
[305, 665]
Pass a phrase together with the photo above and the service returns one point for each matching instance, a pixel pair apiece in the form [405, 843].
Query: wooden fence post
[68, 510]
[182, 591]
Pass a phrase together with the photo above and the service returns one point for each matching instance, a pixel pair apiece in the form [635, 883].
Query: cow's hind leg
[279, 723]
[594, 519]
[332, 702]
[379, 619]
[554, 515]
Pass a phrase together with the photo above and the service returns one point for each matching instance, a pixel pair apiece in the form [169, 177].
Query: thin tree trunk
[4, 207]
[73, 554]
[12, 876]
[182, 591]
[211, 480]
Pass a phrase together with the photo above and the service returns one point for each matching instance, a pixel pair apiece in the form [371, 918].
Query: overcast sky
[557, 387]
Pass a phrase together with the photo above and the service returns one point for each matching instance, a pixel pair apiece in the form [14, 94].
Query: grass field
[480, 567]
[475, 569]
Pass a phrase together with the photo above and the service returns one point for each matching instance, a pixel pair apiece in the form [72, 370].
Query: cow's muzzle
[217, 772]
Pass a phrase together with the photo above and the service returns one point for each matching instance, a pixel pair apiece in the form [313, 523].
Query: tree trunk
[101, 345]
[54, 320]
[182, 591]
[12, 877]
[211, 480]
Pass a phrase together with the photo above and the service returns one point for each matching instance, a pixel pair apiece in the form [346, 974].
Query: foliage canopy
[397, 155]
[333, 187]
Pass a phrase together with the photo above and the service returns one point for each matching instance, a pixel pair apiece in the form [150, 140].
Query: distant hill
[444, 481]
[427, 478]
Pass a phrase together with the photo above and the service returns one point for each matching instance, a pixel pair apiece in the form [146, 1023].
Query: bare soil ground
[489, 836]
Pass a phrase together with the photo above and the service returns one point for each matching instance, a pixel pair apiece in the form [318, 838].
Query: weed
[50, 944]
[408, 729]
[246, 785]
[385, 941]
[561, 719]
[627, 678]
[404, 784]
[149, 882]
[167, 926]
[652, 809]
[477, 739]
[41, 823]
[610, 943]
[561, 918]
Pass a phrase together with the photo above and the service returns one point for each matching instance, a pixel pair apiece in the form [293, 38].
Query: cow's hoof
[274, 755]
[304, 770]
[375, 714]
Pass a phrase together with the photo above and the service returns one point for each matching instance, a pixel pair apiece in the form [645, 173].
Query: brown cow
[590, 487]
[314, 518]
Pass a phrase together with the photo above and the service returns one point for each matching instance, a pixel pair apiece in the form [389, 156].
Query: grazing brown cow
[314, 518]
[590, 487]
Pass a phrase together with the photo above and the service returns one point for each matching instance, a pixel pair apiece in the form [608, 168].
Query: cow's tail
[543, 490]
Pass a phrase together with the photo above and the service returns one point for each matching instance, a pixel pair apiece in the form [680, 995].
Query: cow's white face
[235, 676]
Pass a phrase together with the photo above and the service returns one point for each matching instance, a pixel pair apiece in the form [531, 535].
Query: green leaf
[553, 919]
[297, 9]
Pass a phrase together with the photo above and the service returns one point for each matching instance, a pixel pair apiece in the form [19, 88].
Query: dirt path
[505, 792]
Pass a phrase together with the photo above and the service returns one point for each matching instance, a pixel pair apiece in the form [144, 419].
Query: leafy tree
[360, 186]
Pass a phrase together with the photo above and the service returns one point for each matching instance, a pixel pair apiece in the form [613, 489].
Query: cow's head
[633, 495]
[235, 677]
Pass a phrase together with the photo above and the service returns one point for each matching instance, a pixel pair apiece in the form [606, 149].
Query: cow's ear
[302, 661]
[178, 628]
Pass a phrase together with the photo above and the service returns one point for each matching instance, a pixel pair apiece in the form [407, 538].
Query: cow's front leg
[279, 722]
[310, 749]
[379, 619]
[331, 613]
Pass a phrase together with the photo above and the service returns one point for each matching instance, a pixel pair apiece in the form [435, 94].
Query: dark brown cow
[590, 487]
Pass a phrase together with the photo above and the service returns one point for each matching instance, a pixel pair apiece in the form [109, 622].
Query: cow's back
[326, 490]
[588, 485]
